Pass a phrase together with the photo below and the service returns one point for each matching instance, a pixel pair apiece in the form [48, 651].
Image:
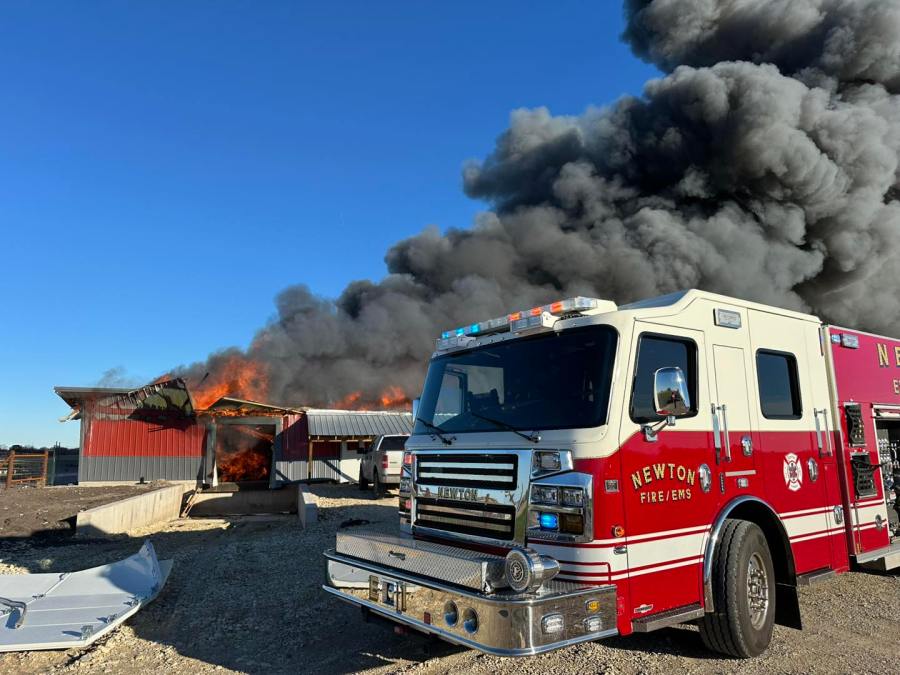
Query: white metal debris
[73, 609]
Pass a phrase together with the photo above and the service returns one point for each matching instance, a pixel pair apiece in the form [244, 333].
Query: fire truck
[580, 470]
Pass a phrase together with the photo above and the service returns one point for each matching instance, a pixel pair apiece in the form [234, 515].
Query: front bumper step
[459, 566]
[404, 589]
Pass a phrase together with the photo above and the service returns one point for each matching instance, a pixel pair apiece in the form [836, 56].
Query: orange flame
[350, 402]
[243, 465]
[237, 376]
[391, 398]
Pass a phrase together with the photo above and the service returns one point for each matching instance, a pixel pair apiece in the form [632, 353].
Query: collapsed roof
[170, 397]
[173, 397]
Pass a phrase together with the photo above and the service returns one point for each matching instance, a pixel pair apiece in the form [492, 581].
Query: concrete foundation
[244, 502]
[158, 506]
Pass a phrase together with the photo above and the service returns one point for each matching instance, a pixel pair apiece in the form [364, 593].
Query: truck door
[795, 452]
[668, 503]
[735, 433]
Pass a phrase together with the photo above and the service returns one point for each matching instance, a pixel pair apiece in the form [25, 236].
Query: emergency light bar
[535, 318]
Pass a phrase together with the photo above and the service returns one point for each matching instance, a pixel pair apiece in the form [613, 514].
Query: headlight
[544, 495]
[561, 508]
[573, 497]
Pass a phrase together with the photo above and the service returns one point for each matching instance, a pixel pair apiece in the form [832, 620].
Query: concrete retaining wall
[158, 506]
[307, 506]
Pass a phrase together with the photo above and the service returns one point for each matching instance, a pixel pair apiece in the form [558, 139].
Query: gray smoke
[763, 164]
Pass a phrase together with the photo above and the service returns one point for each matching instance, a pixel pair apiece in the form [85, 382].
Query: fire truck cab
[580, 470]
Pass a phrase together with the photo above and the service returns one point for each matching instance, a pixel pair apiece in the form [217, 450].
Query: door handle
[724, 409]
[717, 440]
[747, 445]
[716, 409]
[824, 448]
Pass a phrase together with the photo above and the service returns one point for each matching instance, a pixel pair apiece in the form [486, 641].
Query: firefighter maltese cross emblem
[793, 472]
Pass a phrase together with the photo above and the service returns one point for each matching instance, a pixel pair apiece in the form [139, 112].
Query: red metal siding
[110, 433]
[295, 438]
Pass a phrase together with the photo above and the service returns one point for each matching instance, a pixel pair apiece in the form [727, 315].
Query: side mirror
[670, 393]
[415, 409]
[671, 400]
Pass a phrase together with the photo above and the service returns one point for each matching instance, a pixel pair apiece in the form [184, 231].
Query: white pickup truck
[382, 463]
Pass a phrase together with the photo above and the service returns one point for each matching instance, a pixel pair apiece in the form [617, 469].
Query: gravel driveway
[244, 596]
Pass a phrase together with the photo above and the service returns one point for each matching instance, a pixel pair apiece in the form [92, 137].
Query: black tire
[363, 483]
[377, 486]
[737, 628]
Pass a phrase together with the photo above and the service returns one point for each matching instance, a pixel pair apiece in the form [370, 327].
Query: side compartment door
[735, 433]
[666, 509]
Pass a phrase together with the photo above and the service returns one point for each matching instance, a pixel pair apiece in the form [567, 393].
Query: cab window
[779, 385]
[655, 352]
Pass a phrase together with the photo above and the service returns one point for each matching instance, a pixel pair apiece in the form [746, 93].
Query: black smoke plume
[762, 164]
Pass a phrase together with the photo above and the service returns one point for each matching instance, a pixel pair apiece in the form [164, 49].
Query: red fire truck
[580, 470]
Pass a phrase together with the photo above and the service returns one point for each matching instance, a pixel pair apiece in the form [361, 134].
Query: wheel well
[787, 605]
[779, 544]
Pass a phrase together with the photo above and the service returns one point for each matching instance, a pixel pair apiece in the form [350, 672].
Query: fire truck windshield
[549, 381]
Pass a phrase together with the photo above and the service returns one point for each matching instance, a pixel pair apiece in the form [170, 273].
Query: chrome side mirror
[671, 400]
[670, 393]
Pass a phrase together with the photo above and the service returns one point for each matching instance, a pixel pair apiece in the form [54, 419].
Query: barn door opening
[244, 454]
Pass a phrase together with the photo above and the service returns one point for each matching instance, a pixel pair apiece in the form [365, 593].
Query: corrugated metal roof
[358, 423]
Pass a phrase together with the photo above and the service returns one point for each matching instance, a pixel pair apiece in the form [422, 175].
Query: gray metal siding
[122, 468]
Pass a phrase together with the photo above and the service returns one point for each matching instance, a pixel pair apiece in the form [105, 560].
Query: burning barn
[156, 433]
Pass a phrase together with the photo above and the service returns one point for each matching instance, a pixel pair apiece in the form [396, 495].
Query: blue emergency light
[549, 521]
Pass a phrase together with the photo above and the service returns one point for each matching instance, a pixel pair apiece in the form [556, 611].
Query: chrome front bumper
[508, 623]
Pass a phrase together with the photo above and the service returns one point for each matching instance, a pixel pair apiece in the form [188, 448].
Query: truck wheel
[743, 579]
[377, 487]
[363, 483]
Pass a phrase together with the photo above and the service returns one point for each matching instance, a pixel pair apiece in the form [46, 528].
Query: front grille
[483, 520]
[467, 493]
[496, 472]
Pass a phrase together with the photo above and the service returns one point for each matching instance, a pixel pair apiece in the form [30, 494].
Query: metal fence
[24, 467]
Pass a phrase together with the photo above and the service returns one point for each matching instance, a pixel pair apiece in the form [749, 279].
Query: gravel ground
[244, 596]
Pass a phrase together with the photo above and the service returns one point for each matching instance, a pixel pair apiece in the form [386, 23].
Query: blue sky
[166, 168]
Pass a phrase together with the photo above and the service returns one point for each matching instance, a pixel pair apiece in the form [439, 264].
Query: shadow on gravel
[349, 492]
[675, 641]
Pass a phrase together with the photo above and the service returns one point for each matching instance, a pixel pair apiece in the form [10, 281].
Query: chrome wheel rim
[757, 591]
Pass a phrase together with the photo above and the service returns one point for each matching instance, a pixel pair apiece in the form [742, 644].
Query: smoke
[117, 377]
[762, 164]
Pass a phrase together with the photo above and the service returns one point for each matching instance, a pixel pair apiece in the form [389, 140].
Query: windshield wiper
[446, 440]
[534, 436]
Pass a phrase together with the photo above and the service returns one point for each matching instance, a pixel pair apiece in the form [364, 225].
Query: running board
[671, 617]
[884, 559]
[811, 578]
